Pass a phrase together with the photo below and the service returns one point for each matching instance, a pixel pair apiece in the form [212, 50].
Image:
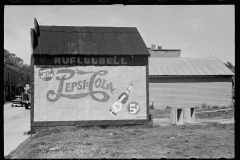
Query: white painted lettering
[115, 61]
[109, 60]
[57, 60]
[65, 60]
[122, 61]
[80, 60]
[87, 60]
[72, 60]
[101, 60]
[94, 61]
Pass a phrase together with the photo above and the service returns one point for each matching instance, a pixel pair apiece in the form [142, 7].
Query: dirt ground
[141, 141]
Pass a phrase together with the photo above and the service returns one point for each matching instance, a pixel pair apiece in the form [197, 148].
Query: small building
[192, 82]
[161, 53]
[10, 82]
[88, 76]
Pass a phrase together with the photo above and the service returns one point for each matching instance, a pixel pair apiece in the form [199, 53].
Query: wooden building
[10, 82]
[189, 82]
[78, 73]
[161, 53]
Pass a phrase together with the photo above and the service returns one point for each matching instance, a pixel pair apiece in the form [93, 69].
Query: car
[26, 104]
[17, 102]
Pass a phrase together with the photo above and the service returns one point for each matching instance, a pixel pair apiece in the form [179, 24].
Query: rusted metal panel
[184, 66]
[61, 40]
[191, 92]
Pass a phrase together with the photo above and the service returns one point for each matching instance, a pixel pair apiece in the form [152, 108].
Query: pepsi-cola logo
[95, 82]
[46, 74]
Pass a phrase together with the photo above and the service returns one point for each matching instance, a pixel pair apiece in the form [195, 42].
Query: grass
[216, 115]
[187, 141]
[134, 141]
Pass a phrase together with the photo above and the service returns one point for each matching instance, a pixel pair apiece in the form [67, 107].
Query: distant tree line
[230, 66]
[17, 62]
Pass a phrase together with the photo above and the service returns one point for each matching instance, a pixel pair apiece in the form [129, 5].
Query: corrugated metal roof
[187, 66]
[65, 40]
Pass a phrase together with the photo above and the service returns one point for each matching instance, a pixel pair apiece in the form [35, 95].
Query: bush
[151, 106]
[223, 107]
[204, 106]
[215, 107]
[197, 107]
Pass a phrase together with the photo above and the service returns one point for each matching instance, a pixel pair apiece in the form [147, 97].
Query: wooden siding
[190, 91]
[164, 53]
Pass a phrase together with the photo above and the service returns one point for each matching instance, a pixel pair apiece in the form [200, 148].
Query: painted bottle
[122, 99]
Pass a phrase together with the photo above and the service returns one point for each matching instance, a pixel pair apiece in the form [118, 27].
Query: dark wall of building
[10, 82]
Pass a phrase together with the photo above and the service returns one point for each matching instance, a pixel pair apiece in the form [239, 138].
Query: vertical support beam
[32, 130]
[147, 90]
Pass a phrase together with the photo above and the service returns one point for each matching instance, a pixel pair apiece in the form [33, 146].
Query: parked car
[17, 101]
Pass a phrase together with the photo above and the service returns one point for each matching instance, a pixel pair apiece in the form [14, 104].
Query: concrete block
[189, 115]
[176, 116]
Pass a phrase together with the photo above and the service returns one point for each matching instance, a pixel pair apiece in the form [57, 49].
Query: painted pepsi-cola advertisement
[82, 93]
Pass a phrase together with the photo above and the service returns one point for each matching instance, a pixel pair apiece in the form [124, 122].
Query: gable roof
[66, 40]
[187, 66]
[7, 66]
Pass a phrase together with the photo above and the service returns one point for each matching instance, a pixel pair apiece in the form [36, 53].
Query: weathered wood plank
[190, 94]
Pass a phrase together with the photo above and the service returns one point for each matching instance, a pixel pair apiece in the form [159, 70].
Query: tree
[230, 66]
[11, 59]
[23, 69]
[24, 75]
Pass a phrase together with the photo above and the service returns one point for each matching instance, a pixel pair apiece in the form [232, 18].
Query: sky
[197, 30]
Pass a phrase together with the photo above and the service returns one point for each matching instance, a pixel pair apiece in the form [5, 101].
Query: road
[16, 122]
